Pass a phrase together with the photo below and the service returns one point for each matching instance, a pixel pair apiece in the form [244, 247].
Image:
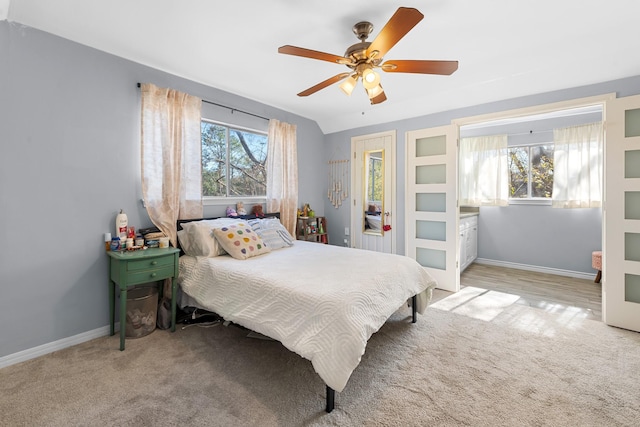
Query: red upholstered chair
[596, 263]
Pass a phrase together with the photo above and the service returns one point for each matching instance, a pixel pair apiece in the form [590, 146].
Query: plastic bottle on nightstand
[121, 225]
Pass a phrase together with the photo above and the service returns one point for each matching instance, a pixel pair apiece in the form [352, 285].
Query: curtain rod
[231, 108]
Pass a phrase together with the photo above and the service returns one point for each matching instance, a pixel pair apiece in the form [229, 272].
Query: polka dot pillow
[240, 241]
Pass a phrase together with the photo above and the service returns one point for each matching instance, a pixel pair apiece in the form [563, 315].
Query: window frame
[541, 201]
[231, 200]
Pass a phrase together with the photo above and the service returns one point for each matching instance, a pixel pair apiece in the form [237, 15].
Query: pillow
[240, 241]
[183, 240]
[272, 232]
[197, 238]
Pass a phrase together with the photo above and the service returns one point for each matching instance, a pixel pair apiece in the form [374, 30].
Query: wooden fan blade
[421, 67]
[398, 26]
[324, 84]
[313, 54]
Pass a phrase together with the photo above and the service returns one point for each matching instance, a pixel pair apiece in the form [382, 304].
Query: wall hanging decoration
[337, 188]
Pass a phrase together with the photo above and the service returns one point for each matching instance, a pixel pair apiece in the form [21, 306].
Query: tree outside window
[531, 171]
[233, 161]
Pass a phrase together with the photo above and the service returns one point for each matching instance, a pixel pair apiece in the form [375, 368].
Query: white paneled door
[432, 203]
[621, 243]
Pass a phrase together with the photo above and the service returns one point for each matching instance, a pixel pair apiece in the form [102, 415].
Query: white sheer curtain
[577, 166]
[282, 173]
[171, 157]
[484, 178]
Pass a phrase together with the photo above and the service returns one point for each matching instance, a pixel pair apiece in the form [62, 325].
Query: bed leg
[414, 308]
[331, 399]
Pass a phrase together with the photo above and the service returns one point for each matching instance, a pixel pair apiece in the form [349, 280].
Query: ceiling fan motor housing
[357, 52]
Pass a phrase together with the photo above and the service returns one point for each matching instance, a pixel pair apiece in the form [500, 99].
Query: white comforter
[323, 302]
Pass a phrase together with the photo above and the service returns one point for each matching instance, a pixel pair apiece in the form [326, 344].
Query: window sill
[232, 201]
[537, 202]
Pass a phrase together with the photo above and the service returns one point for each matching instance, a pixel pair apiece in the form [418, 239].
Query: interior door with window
[373, 196]
[621, 242]
[432, 203]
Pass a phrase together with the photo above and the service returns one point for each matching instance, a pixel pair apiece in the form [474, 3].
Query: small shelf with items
[313, 229]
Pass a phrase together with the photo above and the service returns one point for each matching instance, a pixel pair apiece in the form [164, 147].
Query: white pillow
[198, 238]
[272, 232]
[183, 240]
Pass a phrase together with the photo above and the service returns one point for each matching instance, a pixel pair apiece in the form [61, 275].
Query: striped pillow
[272, 232]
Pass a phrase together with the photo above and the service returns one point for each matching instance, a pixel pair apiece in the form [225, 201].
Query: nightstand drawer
[153, 263]
[150, 275]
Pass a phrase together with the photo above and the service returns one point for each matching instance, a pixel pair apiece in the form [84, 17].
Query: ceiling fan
[364, 57]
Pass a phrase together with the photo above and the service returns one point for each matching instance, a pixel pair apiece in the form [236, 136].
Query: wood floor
[540, 290]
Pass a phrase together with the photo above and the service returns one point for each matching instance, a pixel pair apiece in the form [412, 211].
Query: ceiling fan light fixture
[374, 91]
[370, 79]
[348, 85]
[378, 99]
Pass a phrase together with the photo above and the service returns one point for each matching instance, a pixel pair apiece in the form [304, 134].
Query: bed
[322, 302]
[373, 222]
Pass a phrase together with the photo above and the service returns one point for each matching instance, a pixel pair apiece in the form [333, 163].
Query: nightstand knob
[153, 274]
[154, 262]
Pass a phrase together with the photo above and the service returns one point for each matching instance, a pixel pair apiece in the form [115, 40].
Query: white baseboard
[538, 269]
[43, 349]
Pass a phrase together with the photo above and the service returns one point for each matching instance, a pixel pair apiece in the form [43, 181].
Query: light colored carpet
[518, 366]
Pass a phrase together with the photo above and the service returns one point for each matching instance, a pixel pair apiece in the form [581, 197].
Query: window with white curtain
[484, 179]
[578, 163]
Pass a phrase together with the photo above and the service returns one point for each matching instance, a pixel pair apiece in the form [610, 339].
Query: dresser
[130, 268]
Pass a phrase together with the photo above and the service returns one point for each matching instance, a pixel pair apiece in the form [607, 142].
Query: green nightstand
[129, 268]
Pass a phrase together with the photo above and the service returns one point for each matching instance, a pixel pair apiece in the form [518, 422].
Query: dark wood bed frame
[331, 393]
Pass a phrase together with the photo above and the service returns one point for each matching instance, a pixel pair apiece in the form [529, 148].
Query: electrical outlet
[346, 231]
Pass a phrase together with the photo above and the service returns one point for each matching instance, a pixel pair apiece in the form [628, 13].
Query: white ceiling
[505, 48]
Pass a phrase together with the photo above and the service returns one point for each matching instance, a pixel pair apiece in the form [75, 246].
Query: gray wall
[70, 160]
[540, 236]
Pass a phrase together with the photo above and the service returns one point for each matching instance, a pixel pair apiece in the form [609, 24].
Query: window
[233, 161]
[531, 171]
